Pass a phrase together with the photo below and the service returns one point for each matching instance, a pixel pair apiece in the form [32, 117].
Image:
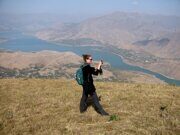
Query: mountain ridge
[122, 30]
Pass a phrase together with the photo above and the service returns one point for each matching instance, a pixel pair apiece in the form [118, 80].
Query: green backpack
[79, 75]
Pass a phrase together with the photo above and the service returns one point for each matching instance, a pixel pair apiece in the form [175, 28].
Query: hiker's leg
[97, 106]
[83, 105]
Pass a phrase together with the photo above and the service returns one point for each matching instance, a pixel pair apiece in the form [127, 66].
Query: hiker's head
[87, 58]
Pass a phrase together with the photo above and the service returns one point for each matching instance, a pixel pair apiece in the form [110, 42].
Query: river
[21, 42]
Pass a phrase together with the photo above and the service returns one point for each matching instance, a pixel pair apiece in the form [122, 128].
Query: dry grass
[51, 107]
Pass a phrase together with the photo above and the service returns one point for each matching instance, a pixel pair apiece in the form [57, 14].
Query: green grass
[51, 107]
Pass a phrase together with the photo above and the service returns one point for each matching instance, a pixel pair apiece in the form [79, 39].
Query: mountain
[31, 22]
[125, 30]
[26, 22]
[146, 35]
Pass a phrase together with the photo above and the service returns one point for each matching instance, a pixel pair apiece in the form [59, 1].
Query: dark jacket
[88, 71]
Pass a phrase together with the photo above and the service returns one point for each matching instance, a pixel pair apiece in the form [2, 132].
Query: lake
[20, 42]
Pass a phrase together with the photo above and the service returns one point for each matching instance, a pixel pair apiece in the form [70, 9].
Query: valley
[148, 41]
[52, 64]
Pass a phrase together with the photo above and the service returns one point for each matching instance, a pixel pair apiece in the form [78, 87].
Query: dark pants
[86, 101]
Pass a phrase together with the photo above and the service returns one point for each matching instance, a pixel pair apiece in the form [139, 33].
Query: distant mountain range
[155, 34]
[151, 35]
[149, 41]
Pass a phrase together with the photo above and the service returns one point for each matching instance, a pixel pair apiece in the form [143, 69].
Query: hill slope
[52, 64]
[51, 106]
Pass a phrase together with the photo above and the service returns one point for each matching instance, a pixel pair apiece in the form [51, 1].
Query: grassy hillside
[51, 107]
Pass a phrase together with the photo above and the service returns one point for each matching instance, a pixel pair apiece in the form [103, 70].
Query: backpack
[79, 75]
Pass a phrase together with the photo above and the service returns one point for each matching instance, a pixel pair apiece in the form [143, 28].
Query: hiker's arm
[98, 70]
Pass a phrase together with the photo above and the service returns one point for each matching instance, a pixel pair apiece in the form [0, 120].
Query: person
[88, 86]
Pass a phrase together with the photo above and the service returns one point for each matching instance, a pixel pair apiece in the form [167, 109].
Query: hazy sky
[167, 7]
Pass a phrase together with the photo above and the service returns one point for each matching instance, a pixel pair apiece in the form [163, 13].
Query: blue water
[20, 42]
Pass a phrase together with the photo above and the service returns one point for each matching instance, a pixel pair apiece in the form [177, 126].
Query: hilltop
[51, 106]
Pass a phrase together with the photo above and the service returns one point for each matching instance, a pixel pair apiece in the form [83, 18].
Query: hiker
[88, 86]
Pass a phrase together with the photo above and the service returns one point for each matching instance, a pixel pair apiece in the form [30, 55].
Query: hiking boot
[105, 114]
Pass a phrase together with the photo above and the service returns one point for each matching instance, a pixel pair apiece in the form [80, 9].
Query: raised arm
[95, 71]
[98, 70]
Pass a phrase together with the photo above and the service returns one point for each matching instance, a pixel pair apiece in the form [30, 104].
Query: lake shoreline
[34, 44]
[129, 63]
